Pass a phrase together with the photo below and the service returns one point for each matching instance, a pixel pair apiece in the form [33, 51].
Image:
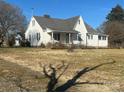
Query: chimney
[47, 16]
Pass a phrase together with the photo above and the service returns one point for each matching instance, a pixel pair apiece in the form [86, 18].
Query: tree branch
[46, 73]
[100, 65]
[63, 71]
[61, 66]
[78, 83]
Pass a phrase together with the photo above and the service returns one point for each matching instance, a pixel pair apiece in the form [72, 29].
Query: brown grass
[112, 75]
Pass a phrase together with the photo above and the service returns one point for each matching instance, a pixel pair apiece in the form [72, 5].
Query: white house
[46, 29]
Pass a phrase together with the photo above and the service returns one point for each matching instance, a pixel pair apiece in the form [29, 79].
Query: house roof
[56, 24]
[62, 24]
[93, 31]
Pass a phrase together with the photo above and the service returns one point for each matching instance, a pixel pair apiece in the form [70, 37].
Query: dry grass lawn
[25, 61]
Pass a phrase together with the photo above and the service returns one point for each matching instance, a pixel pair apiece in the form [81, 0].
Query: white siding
[95, 42]
[80, 27]
[45, 37]
[33, 30]
[89, 42]
[103, 43]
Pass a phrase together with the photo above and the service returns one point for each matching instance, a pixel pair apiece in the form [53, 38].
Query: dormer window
[33, 22]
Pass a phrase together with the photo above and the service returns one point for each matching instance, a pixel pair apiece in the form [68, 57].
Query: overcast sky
[93, 11]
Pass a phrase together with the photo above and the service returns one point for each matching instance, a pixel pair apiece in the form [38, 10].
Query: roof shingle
[55, 24]
[62, 24]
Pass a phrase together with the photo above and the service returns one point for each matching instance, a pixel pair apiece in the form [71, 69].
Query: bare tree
[115, 31]
[11, 19]
[113, 26]
[51, 74]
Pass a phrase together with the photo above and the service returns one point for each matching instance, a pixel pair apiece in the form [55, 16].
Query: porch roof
[62, 31]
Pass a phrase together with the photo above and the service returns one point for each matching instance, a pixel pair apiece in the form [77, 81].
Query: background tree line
[114, 27]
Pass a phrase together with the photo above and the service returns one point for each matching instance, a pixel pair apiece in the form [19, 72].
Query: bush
[11, 41]
[49, 45]
[22, 43]
[56, 46]
[82, 46]
[42, 45]
[59, 46]
[27, 43]
[71, 48]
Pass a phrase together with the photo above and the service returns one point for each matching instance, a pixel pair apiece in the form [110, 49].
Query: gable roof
[56, 24]
[90, 29]
[62, 24]
[93, 31]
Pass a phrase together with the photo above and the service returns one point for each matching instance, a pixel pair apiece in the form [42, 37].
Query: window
[29, 37]
[104, 38]
[56, 36]
[99, 37]
[90, 36]
[79, 37]
[38, 36]
[33, 22]
[67, 37]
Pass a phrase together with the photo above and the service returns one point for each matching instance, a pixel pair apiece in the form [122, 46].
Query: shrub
[22, 43]
[27, 43]
[82, 46]
[49, 45]
[71, 48]
[59, 46]
[11, 41]
[56, 46]
[42, 45]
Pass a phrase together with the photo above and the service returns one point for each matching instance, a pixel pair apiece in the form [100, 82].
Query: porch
[64, 37]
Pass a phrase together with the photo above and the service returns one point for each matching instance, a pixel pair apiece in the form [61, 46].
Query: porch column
[77, 37]
[52, 37]
[69, 38]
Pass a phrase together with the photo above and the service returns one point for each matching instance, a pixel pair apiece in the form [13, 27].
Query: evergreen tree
[114, 27]
[116, 14]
